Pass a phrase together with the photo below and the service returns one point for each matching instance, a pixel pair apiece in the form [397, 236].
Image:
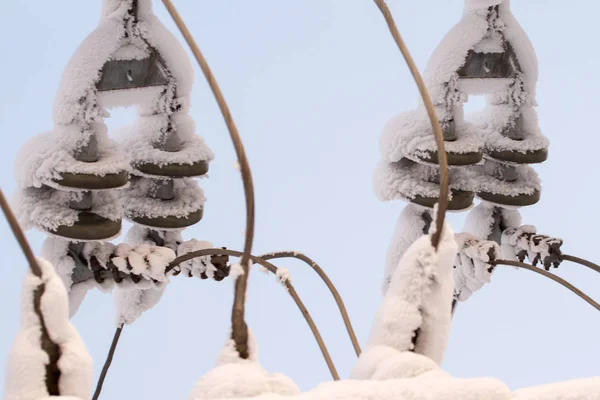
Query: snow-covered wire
[435, 123]
[108, 362]
[239, 327]
[290, 288]
[555, 278]
[338, 299]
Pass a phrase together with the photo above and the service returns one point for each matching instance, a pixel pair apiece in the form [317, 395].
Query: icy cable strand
[238, 324]
[330, 285]
[108, 362]
[555, 278]
[288, 285]
[435, 123]
[51, 348]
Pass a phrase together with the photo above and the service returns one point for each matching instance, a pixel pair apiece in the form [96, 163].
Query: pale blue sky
[311, 84]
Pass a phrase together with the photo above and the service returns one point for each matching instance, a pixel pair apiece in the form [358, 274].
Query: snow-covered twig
[330, 286]
[239, 327]
[435, 123]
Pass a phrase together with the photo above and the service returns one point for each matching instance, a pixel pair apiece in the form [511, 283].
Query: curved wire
[435, 123]
[330, 285]
[290, 288]
[238, 324]
[581, 261]
[555, 278]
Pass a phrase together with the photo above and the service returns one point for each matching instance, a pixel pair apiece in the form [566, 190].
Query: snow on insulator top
[483, 30]
[119, 35]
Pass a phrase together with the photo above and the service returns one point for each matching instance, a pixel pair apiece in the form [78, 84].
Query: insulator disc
[170, 222]
[90, 226]
[198, 168]
[453, 158]
[529, 157]
[92, 182]
[461, 200]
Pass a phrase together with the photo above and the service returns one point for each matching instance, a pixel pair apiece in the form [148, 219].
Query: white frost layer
[496, 117]
[139, 139]
[131, 301]
[45, 156]
[398, 181]
[47, 209]
[480, 220]
[472, 267]
[189, 198]
[527, 182]
[419, 299]
[26, 370]
[409, 227]
[410, 134]
[234, 377]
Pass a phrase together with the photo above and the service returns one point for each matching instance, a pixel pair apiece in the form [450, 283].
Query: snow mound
[234, 377]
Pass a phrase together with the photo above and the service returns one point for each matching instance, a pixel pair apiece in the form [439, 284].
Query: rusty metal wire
[238, 324]
[435, 123]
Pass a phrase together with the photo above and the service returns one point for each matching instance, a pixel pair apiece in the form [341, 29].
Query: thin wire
[20, 236]
[555, 278]
[290, 288]
[108, 362]
[239, 327]
[581, 261]
[330, 285]
[435, 123]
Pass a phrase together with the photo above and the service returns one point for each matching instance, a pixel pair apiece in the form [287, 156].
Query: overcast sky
[311, 84]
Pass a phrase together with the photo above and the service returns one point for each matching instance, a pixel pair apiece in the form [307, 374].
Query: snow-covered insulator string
[502, 64]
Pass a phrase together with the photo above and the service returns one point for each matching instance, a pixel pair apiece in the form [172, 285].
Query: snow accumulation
[26, 366]
[234, 377]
